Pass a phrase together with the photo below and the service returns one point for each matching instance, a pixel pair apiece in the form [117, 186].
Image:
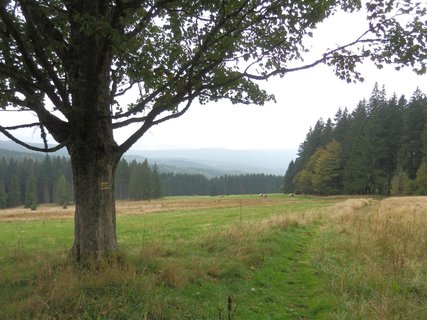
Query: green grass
[191, 264]
[307, 258]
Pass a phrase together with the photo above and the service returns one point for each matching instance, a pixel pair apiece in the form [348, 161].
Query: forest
[379, 148]
[198, 184]
[30, 181]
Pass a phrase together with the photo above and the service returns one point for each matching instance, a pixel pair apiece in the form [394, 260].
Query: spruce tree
[376, 139]
[3, 195]
[146, 178]
[357, 160]
[62, 193]
[47, 181]
[414, 122]
[31, 199]
[135, 181]
[383, 135]
[156, 185]
[122, 180]
[421, 179]
[400, 184]
[288, 180]
[14, 192]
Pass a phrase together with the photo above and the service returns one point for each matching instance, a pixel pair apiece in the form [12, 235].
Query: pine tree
[4, 172]
[356, 153]
[288, 180]
[411, 150]
[62, 193]
[400, 183]
[135, 181]
[341, 125]
[31, 200]
[48, 180]
[146, 180]
[14, 192]
[122, 180]
[3, 196]
[383, 137]
[378, 137]
[421, 179]
[156, 185]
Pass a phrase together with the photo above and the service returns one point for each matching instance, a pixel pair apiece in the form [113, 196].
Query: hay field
[375, 256]
[168, 204]
[236, 257]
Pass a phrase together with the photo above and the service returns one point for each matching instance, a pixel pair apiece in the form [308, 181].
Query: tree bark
[95, 215]
[93, 151]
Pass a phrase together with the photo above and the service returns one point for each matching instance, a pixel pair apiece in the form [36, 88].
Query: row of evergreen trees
[379, 148]
[30, 181]
[198, 184]
[137, 181]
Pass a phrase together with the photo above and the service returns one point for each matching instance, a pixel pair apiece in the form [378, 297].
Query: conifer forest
[30, 181]
[379, 148]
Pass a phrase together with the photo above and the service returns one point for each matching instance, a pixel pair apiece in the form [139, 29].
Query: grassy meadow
[234, 257]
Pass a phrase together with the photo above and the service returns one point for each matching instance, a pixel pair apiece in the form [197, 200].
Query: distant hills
[209, 162]
[11, 147]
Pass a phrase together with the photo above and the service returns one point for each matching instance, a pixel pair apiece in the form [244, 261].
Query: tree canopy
[174, 52]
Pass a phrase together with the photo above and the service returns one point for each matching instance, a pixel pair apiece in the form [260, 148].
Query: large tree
[71, 63]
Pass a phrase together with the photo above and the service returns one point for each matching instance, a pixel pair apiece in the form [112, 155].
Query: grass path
[250, 261]
[277, 280]
[294, 279]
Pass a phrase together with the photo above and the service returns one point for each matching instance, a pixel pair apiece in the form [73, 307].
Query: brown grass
[379, 265]
[49, 211]
[43, 212]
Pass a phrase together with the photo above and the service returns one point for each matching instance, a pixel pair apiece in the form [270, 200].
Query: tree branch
[26, 145]
[40, 43]
[28, 61]
[154, 10]
[326, 56]
[190, 65]
[174, 115]
[148, 123]
[15, 74]
[127, 122]
[22, 126]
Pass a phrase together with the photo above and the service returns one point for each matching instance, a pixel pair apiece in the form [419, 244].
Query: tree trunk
[95, 216]
[93, 151]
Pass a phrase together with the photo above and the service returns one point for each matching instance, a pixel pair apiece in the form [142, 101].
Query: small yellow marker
[104, 185]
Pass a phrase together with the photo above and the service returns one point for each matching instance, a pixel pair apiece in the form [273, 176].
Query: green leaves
[323, 172]
[170, 53]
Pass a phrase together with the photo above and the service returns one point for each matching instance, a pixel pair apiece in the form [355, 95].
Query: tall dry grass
[51, 211]
[376, 258]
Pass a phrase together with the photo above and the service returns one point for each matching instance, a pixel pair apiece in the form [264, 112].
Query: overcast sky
[302, 98]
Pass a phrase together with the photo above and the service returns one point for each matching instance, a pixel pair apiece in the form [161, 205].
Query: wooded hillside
[379, 148]
[27, 180]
